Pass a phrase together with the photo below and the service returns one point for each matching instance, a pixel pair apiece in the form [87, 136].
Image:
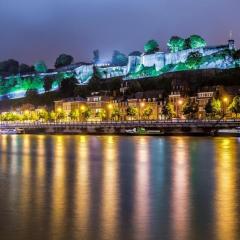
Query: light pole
[179, 104]
[225, 101]
[110, 107]
[141, 105]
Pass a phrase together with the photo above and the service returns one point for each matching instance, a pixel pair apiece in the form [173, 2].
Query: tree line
[13, 67]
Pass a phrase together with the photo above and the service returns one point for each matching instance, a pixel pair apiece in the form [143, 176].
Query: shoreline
[168, 134]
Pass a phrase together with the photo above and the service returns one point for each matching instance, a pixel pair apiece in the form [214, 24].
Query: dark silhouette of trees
[40, 67]
[9, 67]
[119, 59]
[151, 46]
[24, 69]
[63, 60]
[96, 56]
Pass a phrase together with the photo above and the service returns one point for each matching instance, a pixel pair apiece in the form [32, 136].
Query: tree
[151, 46]
[195, 41]
[74, 115]
[213, 107]
[86, 114]
[134, 86]
[61, 115]
[24, 68]
[216, 106]
[96, 57]
[119, 59]
[235, 106]
[131, 112]
[67, 87]
[43, 115]
[26, 115]
[63, 60]
[10, 66]
[101, 114]
[95, 83]
[48, 82]
[209, 108]
[168, 110]
[147, 112]
[32, 95]
[135, 53]
[236, 55]
[176, 44]
[115, 114]
[40, 67]
[194, 60]
[190, 108]
[53, 116]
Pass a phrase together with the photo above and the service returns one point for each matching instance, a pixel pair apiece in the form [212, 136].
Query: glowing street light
[110, 106]
[225, 99]
[180, 102]
[83, 108]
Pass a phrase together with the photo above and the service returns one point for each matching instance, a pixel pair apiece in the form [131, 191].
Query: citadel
[138, 66]
[152, 65]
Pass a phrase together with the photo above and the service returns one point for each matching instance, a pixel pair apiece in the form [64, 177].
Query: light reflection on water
[180, 189]
[110, 187]
[227, 197]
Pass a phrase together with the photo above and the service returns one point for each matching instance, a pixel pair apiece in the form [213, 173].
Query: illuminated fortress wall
[154, 63]
[146, 65]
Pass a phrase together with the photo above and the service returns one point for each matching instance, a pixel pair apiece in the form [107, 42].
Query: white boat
[233, 132]
[11, 131]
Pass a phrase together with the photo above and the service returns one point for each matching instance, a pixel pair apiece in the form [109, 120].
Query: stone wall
[157, 59]
[110, 72]
[84, 73]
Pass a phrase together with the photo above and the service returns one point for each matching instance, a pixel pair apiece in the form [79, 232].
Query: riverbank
[228, 133]
[181, 127]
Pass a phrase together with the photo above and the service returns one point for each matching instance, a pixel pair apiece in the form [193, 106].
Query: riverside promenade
[122, 127]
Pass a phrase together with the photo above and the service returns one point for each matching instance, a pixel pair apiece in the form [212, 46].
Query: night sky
[40, 30]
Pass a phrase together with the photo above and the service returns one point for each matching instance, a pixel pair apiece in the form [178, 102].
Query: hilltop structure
[157, 63]
[140, 65]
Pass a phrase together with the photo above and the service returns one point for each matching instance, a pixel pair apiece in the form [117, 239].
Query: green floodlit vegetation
[34, 82]
[185, 54]
[194, 62]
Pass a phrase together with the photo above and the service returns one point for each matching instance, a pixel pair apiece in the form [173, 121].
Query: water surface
[115, 187]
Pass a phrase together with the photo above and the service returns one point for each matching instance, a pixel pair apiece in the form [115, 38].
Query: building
[70, 104]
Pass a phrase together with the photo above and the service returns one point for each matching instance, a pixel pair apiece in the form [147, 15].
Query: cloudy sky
[34, 30]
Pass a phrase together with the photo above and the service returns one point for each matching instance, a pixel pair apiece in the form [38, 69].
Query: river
[119, 187]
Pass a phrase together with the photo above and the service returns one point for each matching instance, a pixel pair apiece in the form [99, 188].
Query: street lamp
[82, 107]
[141, 105]
[110, 106]
[225, 101]
[179, 103]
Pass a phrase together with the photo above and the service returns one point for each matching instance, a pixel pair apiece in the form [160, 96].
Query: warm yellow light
[59, 109]
[180, 102]
[82, 107]
[110, 106]
[26, 112]
[225, 99]
[142, 104]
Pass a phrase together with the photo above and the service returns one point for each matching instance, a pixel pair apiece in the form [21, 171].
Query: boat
[142, 131]
[11, 131]
[230, 132]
